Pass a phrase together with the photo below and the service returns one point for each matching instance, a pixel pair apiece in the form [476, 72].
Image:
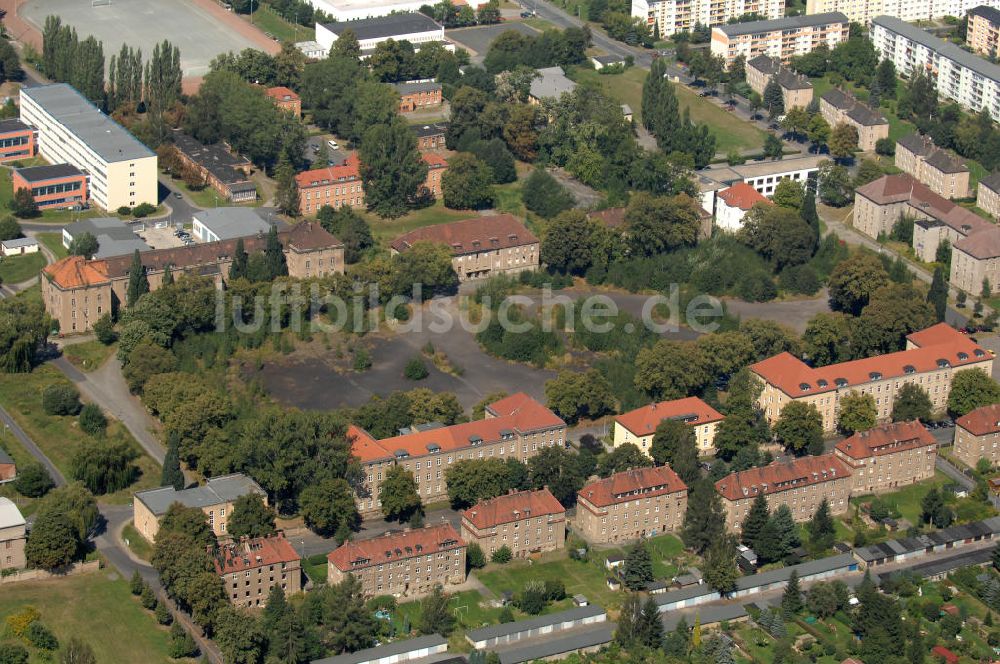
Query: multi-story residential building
[796, 89]
[837, 106]
[732, 204]
[638, 426]
[482, 247]
[888, 456]
[668, 17]
[53, 187]
[437, 164]
[286, 100]
[76, 291]
[415, 95]
[407, 564]
[988, 195]
[13, 536]
[983, 31]
[17, 140]
[801, 483]
[514, 427]
[215, 498]
[223, 170]
[71, 130]
[959, 76]
[975, 260]
[977, 436]
[931, 358]
[781, 38]
[412, 27]
[636, 503]
[430, 136]
[863, 11]
[251, 567]
[944, 173]
[526, 522]
[879, 205]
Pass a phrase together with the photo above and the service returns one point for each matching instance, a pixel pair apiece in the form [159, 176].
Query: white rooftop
[20, 242]
[10, 516]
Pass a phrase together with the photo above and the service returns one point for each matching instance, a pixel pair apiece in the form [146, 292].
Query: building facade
[669, 17]
[888, 456]
[931, 358]
[482, 247]
[526, 522]
[8, 469]
[732, 205]
[863, 11]
[53, 187]
[286, 99]
[71, 130]
[408, 564]
[13, 536]
[412, 27]
[988, 195]
[430, 136]
[250, 567]
[796, 90]
[416, 95]
[780, 38]
[17, 140]
[983, 31]
[215, 498]
[638, 426]
[637, 503]
[977, 436]
[514, 427]
[219, 167]
[802, 484]
[975, 260]
[839, 107]
[944, 173]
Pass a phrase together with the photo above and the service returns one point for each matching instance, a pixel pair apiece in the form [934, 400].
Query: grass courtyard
[385, 230]
[15, 269]
[53, 241]
[88, 355]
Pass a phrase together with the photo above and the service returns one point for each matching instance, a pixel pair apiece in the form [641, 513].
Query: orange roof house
[886, 439]
[492, 232]
[76, 272]
[778, 476]
[632, 484]
[512, 507]
[254, 553]
[691, 410]
[286, 100]
[981, 421]
[352, 556]
[734, 203]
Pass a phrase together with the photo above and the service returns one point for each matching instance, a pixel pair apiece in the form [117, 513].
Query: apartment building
[988, 195]
[218, 166]
[763, 176]
[286, 99]
[516, 426]
[410, 26]
[636, 503]
[526, 522]
[668, 17]
[780, 38]
[13, 536]
[940, 170]
[250, 567]
[983, 31]
[53, 187]
[73, 131]
[837, 106]
[931, 357]
[482, 247]
[430, 136]
[967, 79]
[977, 436]
[863, 11]
[416, 95]
[888, 456]
[17, 140]
[976, 259]
[402, 564]
[796, 89]
[801, 483]
[638, 426]
[77, 291]
[215, 498]
[437, 164]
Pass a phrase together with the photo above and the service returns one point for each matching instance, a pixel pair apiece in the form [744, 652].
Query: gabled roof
[512, 507]
[395, 546]
[252, 553]
[901, 187]
[991, 182]
[981, 421]
[991, 14]
[765, 64]
[782, 476]
[626, 485]
[281, 93]
[410, 87]
[982, 244]
[860, 113]
[743, 196]
[349, 172]
[887, 439]
[494, 232]
[923, 146]
[691, 410]
[76, 272]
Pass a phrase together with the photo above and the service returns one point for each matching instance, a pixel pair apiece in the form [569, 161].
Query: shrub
[502, 555]
[757, 287]
[104, 330]
[124, 210]
[162, 614]
[799, 279]
[416, 369]
[92, 420]
[885, 147]
[555, 590]
[61, 400]
[143, 210]
[148, 598]
[41, 637]
[362, 360]
[33, 480]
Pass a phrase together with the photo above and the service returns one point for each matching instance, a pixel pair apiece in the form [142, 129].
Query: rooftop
[229, 223]
[76, 272]
[281, 93]
[252, 553]
[991, 182]
[568, 641]
[904, 187]
[608, 59]
[395, 546]
[513, 507]
[316, 177]
[5, 459]
[554, 620]
[551, 82]
[782, 476]
[217, 159]
[433, 129]
[887, 439]
[494, 232]
[382, 27]
[991, 14]
[410, 87]
[216, 491]
[923, 146]
[743, 196]
[982, 244]
[11, 125]
[786, 23]
[691, 410]
[20, 242]
[387, 652]
[628, 484]
[857, 111]
[981, 421]
[10, 516]
[943, 49]
[42, 173]
[114, 237]
[109, 140]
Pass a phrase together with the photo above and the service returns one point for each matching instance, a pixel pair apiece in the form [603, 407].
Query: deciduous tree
[912, 403]
[800, 428]
[468, 183]
[398, 494]
[857, 412]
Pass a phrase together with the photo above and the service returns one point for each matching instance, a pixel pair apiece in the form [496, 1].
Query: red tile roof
[434, 160]
[743, 196]
[253, 553]
[395, 546]
[517, 413]
[77, 272]
[512, 507]
[691, 410]
[647, 482]
[981, 421]
[331, 174]
[796, 378]
[610, 218]
[887, 439]
[501, 231]
[945, 654]
[281, 93]
[781, 476]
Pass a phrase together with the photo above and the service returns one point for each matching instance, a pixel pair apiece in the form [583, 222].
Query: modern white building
[413, 27]
[228, 223]
[960, 76]
[71, 130]
[863, 11]
[672, 16]
[353, 10]
[782, 38]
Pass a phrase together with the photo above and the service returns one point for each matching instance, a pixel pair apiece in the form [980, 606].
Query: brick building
[17, 140]
[223, 170]
[837, 106]
[437, 164]
[13, 536]
[8, 469]
[430, 136]
[482, 247]
[977, 436]
[402, 564]
[889, 456]
[286, 100]
[251, 567]
[53, 187]
[781, 38]
[525, 521]
[796, 90]
[638, 426]
[944, 173]
[636, 503]
[802, 484]
[415, 95]
[516, 426]
[215, 498]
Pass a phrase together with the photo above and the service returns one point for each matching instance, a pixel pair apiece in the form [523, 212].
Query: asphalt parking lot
[161, 238]
[477, 40]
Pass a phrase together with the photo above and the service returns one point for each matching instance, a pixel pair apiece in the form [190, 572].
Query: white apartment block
[672, 16]
[960, 76]
[863, 11]
[352, 10]
[782, 38]
[71, 130]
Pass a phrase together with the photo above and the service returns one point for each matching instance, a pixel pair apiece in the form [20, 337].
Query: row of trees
[157, 84]
[674, 131]
[67, 59]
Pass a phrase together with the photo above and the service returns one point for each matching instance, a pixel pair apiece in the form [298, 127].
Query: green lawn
[209, 198]
[100, 611]
[469, 607]
[13, 447]
[664, 549]
[315, 568]
[15, 269]
[54, 242]
[387, 229]
[269, 21]
[88, 355]
[138, 544]
[907, 500]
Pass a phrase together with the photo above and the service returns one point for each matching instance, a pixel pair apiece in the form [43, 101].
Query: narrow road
[954, 473]
[29, 445]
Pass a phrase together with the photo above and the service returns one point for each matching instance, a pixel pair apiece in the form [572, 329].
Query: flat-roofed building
[551, 83]
[630, 505]
[416, 95]
[839, 107]
[514, 427]
[53, 187]
[215, 498]
[796, 89]
[71, 130]
[526, 522]
[863, 11]
[889, 456]
[977, 436]
[552, 624]
[801, 484]
[944, 173]
[17, 140]
[250, 567]
[402, 564]
[638, 426]
[672, 16]
[931, 358]
[114, 237]
[781, 38]
[988, 195]
[286, 99]
[412, 27]
[983, 31]
[228, 223]
[225, 171]
[429, 649]
[13, 536]
[764, 175]
[353, 10]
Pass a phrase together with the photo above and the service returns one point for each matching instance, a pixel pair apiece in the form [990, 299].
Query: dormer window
[943, 363]
[875, 375]
[840, 382]
[805, 387]
[822, 382]
[909, 369]
[963, 356]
